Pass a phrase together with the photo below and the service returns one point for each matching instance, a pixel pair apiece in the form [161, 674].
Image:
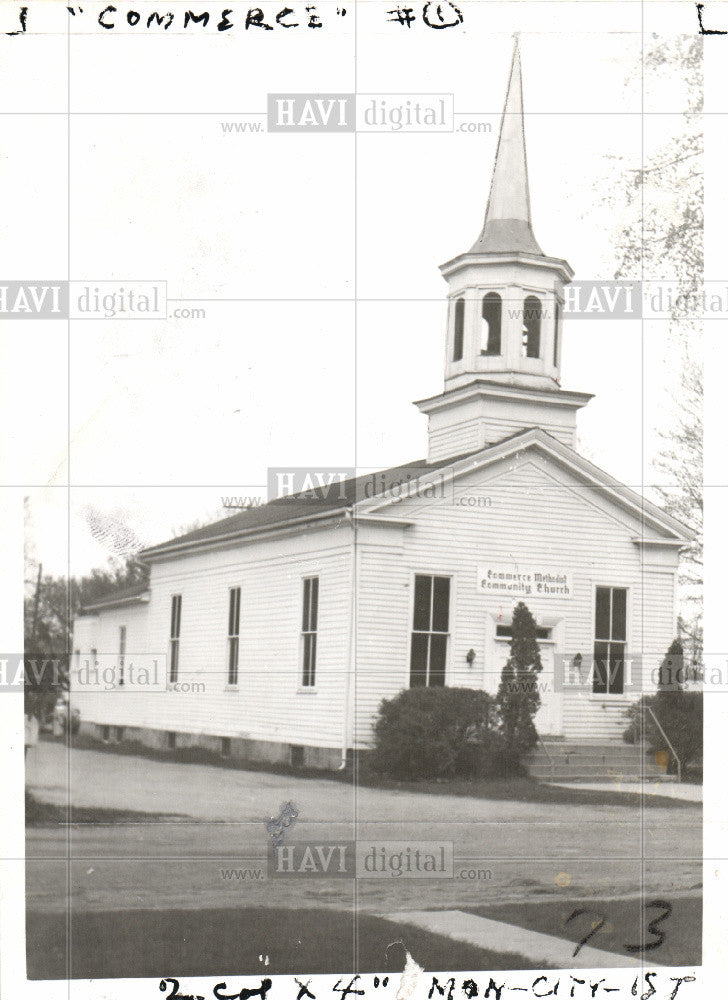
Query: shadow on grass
[48, 814]
[239, 942]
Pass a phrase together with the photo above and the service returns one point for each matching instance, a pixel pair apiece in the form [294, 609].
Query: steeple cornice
[558, 264]
[489, 389]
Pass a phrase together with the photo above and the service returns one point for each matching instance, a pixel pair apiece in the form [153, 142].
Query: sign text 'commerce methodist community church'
[524, 581]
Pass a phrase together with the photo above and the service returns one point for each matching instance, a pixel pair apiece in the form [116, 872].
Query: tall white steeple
[507, 223]
[503, 344]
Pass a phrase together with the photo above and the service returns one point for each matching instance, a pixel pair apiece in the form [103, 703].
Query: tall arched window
[556, 335]
[459, 328]
[531, 327]
[490, 339]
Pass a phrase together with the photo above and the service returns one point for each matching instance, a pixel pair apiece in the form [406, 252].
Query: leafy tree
[671, 672]
[681, 460]
[658, 237]
[118, 574]
[518, 698]
[46, 638]
[679, 712]
[658, 206]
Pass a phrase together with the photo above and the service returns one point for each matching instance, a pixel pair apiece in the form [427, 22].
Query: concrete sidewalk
[665, 789]
[494, 935]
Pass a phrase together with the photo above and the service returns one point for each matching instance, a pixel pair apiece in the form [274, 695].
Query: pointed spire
[507, 226]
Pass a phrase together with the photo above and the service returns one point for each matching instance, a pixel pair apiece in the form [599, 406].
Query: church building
[283, 627]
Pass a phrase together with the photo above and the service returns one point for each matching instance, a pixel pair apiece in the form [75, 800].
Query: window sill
[505, 640]
[610, 699]
[232, 687]
[307, 690]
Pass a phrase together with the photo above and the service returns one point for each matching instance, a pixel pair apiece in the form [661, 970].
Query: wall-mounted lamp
[470, 657]
[576, 664]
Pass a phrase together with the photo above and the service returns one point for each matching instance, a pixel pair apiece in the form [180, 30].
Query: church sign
[510, 580]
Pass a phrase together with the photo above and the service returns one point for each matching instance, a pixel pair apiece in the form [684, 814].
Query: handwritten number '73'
[652, 927]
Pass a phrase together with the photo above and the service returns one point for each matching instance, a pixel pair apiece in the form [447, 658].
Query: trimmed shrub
[433, 732]
[518, 698]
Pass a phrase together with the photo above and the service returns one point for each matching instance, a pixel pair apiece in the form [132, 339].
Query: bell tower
[505, 312]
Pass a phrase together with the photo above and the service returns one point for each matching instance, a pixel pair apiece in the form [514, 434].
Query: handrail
[666, 738]
[550, 759]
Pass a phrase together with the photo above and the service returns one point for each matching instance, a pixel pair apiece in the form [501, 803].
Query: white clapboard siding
[467, 435]
[535, 514]
[105, 703]
[459, 439]
[268, 703]
[527, 509]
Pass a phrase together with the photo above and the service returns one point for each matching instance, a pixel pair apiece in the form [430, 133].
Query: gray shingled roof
[126, 595]
[302, 506]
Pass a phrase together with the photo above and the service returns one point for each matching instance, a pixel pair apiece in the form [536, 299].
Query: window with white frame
[430, 631]
[233, 635]
[174, 634]
[309, 631]
[610, 640]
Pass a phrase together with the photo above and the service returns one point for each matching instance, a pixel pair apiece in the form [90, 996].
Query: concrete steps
[592, 760]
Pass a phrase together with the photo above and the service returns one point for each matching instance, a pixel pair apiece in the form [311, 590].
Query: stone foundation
[262, 751]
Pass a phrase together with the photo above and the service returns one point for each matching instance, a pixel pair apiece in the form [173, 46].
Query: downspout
[350, 666]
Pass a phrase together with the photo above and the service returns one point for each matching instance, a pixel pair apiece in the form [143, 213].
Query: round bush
[430, 732]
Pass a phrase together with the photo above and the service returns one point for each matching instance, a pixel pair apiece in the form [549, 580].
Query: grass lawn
[229, 942]
[625, 921]
[511, 789]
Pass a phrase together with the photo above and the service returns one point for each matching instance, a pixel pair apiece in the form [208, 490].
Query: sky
[315, 259]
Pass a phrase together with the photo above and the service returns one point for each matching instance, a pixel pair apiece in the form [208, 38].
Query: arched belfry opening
[459, 330]
[531, 342]
[492, 314]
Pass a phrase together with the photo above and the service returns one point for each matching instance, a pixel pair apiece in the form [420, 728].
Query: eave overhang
[156, 553]
[121, 602]
[562, 267]
[323, 519]
[486, 388]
